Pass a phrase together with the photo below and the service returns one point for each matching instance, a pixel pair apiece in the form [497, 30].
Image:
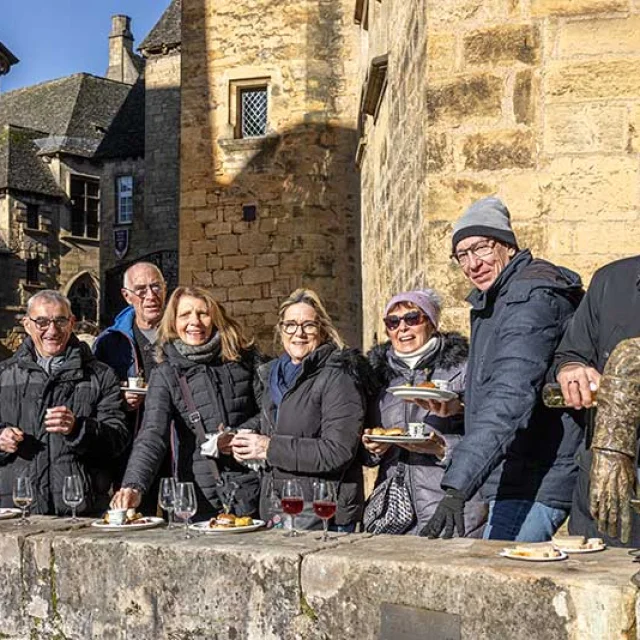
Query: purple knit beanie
[427, 300]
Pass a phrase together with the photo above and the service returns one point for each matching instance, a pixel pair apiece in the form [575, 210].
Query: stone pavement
[62, 581]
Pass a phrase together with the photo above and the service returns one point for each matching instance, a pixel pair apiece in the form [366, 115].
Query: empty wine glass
[292, 502]
[73, 494]
[324, 503]
[22, 495]
[186, 503]
[167, 498]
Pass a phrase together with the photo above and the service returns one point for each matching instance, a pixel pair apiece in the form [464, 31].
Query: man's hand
[133, 400]
[126, 498]
[224, 440]
[376, 448]
[10, 439]
[612, 486]
[449, 516]
[434, 445]
[250, 446]
[440, 408]
[60, 420]
[578, 382]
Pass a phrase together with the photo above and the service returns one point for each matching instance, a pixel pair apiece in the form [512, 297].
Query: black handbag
[389, 508]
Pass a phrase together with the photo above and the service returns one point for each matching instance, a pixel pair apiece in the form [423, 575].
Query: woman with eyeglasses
[312, 412]
[415, 353]
[206, 386]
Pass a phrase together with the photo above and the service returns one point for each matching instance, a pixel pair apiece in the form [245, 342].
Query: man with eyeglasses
[128, 346]
[60, 411]
[520, 453]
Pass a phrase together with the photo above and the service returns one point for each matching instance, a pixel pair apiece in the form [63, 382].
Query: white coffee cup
[117, 516]
[417, 429]
[135, 382]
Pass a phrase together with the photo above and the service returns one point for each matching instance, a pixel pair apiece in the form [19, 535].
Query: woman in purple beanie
[417, 352]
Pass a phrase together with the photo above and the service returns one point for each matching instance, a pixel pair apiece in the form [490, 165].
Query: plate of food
[544, 552]
[228, 523]
[578, 544]
[133, 521]
[423, 391]
[8, 513]
[395, 435]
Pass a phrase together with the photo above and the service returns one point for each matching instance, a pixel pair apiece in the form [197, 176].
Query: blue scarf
[282, 376]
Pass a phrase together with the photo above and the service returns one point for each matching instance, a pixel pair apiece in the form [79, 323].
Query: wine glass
[22, 495]
[292, 502]
[186, 503]
[324, 503]
[72, 494]
[167, 498]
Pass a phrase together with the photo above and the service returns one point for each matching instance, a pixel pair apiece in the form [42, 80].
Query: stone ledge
[78, 583]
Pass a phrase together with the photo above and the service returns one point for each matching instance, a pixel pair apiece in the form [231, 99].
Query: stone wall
[537, 101]
[300, 177]
[74, 582]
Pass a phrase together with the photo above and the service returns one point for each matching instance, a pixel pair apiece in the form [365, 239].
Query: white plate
[422, 393]
[397, 439]
[203, 527]
[602, 547]
[147, 523]
[139, 391]
[505, 554]
[6, 514]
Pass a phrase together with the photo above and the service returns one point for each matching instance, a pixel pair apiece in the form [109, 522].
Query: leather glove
[449, 516]
[613, 476]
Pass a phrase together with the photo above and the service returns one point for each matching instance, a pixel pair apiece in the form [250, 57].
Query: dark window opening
[249, 212]
[252, 112]
[84, 299]
[85, 201]
[33, 216]
[33, 270]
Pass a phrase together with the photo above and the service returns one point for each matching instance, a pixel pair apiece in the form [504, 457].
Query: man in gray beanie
[519, 452]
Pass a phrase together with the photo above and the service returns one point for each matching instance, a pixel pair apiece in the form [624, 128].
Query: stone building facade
[269, 193]
[537, 101]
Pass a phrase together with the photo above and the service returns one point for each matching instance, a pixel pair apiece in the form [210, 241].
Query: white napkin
[210, 447]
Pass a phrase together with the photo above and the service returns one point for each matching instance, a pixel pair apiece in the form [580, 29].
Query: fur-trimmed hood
[453, 352]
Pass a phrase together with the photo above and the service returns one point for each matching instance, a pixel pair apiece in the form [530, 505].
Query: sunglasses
[411, 319]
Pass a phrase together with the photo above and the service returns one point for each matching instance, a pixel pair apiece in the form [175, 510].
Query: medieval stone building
[140, 176]
[269, 192]
[537, 101]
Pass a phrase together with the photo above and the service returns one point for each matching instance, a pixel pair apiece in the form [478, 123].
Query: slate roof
[79, 106]
[167, 32]
[125, 137]
[8, 56]
[20, 167]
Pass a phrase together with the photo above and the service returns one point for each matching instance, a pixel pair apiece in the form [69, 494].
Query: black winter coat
[317, 431]
[514, 445]
[224, 393]
[92, 391]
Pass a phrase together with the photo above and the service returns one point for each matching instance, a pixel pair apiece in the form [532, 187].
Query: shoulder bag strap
[195, 419]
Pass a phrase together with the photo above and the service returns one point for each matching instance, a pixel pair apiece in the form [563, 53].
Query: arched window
[84, 299]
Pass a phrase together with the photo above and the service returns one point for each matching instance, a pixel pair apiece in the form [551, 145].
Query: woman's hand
[126, 498]
[250, 446]
[376, 448]
[435, 445]
[10, 439]
[440, 408]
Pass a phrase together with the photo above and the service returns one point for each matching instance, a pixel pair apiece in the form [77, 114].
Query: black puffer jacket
[224, 393]
[317, 431]
[91, 390]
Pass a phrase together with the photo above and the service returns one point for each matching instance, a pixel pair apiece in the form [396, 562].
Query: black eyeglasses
[61, 322]
[142, 292]
[291, 326]
[411, 319]
[481, 250]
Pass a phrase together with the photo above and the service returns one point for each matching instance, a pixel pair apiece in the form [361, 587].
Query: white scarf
[412, 359]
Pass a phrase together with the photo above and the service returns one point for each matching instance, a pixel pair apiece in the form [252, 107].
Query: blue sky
[54, 38]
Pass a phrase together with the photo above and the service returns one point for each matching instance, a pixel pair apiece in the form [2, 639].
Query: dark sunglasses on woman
[411, 319]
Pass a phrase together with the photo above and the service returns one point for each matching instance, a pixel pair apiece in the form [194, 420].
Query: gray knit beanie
[488, 217]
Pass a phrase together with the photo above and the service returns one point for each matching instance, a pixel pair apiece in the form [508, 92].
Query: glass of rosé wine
[324, 503]
[292, 502]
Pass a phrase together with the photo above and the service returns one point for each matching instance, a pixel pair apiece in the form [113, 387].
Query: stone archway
[82, 292]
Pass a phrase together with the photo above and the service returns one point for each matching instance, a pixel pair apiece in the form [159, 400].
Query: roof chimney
[123, 63]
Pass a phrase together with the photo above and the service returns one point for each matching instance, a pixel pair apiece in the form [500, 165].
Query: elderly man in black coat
[61, 412]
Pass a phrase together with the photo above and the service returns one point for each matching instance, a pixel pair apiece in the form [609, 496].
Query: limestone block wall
[537, 101]
[300, 176]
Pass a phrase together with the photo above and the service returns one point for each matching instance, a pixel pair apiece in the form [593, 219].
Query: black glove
[449, 516]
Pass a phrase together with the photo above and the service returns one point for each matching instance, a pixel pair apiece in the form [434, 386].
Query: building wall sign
[121, 242]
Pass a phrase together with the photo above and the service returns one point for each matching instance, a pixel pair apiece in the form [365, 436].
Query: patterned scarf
[200, 353]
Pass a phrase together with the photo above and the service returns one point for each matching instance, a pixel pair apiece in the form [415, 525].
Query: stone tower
[124, 64]
[269, 189]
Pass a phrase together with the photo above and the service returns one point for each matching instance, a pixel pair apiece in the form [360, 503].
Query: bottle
[553, 398]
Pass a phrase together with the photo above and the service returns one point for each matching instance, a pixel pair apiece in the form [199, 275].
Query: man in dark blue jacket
[517, 450]
[128, 346]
